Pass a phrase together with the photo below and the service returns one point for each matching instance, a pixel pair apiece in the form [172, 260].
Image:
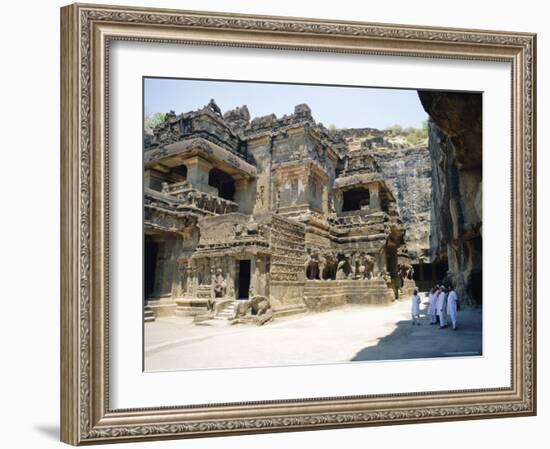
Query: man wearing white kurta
[415, 308]
[452, 308]
[432, 299]
[441, 308]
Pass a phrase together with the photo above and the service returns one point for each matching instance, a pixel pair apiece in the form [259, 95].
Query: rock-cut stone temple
[278, 214]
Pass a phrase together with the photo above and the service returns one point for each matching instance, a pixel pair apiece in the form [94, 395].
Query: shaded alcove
[355, 199]
[149, 266]
[223, 182]
[243, 278]
[179, 172]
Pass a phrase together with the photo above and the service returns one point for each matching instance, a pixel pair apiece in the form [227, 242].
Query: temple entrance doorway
[243, 278]
[149, 266]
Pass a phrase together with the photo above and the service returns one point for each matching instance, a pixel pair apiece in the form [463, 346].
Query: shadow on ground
[427, 341]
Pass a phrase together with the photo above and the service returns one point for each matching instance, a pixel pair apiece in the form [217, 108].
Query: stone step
[192, 302]
[226, 313]
[292, 310]
[148, 315]
[189, 310]
[331, 287]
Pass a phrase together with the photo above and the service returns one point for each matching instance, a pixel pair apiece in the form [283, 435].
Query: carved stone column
[374, 192]
[197, 171]
[243, 195]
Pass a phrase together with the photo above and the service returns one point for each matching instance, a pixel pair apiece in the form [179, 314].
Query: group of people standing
[442, 306]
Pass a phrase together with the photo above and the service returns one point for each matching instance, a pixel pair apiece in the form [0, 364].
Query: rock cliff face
[407, 171]
[456, 207]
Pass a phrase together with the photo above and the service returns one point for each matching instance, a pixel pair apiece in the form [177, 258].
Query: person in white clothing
[432, 299]
[441, 308]
[415, 308]
[452, 307]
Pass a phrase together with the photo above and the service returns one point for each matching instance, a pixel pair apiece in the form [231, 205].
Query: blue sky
[344, 107]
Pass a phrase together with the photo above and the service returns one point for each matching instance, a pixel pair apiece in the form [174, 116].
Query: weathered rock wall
[407, 171]
[456, 212]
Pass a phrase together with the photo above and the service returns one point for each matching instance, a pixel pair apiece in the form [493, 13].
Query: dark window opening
[180, 171]
[243, 279]
[355, 199]
[223, 182]
[149, 266]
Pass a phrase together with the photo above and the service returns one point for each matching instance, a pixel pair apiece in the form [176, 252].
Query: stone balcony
[359, 218]
[189, 198]
[179, 206]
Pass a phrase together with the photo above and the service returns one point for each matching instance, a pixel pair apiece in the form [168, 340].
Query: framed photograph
[279, 224]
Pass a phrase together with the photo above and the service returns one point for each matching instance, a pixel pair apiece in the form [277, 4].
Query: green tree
[152, 120]
[395, 129]
[412, 135]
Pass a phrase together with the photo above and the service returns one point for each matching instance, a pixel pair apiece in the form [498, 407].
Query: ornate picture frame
[87, 32]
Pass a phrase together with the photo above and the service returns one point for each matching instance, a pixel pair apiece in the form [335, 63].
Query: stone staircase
[227, 311]
[190, 306]
[204, 291]
[148, 315]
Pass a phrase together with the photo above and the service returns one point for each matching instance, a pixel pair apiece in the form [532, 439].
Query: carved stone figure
[322, 265]
[361, 270]
[239, 230]
[252, 226]
[340, 270]
[220, 285]
[256, 310]
[212, 105]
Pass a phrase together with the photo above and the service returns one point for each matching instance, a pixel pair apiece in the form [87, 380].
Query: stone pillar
[197, 171]
[374, 194]
[324, 200]
[230, 278]
[193, 278]
[166, 272]
[243, 195]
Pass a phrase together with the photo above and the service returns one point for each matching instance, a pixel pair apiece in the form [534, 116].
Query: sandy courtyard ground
[351, 333]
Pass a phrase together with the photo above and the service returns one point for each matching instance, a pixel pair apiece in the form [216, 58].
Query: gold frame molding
[86, 31]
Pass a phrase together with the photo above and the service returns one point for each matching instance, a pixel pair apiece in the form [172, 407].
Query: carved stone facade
[277, 208]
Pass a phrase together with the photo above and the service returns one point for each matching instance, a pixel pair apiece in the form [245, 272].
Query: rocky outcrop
[456, 208]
